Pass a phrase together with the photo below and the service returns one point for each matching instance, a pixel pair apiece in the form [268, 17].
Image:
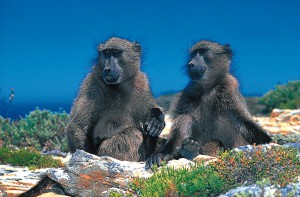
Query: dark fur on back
[210, 110]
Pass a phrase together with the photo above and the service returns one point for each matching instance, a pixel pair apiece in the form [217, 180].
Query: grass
[280, 165]
[196, 181]
[29, 157]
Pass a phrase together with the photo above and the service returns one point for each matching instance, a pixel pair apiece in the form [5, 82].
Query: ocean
[17, 110]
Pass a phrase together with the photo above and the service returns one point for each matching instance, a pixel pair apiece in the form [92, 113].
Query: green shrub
[283, 97]
[29, 157]
[199, 180]
[38, 129]
[280, 165]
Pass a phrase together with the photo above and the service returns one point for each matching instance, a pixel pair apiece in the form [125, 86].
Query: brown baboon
[114, 113]
[210, 111]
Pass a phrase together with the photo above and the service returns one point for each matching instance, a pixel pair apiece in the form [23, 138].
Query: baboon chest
[204, 115]
[211, 120]
[113, 118]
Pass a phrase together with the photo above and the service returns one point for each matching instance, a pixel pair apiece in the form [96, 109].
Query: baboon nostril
[191, 65]
[107, 70]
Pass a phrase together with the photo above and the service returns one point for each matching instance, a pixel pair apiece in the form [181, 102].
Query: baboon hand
[189, 148]
[157, 160]
[155, 123]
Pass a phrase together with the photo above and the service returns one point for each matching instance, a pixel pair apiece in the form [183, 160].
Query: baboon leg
[126, 145]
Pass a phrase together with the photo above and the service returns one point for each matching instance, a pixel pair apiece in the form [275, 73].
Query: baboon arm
[153, 117]
[79, 125]
[255, 133]
[258, 134]
[180, 130]
[239, 106]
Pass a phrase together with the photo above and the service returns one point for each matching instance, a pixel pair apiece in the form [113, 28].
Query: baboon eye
[116, 52]
[111, 52]
[106, 53]
[200, 51]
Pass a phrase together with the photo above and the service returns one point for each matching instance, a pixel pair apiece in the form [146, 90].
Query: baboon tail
[43, 186]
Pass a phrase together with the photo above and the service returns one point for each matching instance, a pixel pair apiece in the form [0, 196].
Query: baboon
[210, 112]
[114, 113]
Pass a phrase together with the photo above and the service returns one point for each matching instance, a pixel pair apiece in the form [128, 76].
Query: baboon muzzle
[197, 67]
[111, 72]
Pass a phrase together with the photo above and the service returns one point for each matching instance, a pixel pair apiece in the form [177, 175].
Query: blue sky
[47, 47]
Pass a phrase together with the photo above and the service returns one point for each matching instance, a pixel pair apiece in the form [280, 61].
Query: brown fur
[114, 113]
[210, 110]
[109, 119]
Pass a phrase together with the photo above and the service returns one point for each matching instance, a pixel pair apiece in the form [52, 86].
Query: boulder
[89, 175]
[266, 190]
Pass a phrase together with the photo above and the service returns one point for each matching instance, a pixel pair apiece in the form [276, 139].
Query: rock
[288, 115]
[283, 125]
[165, 132]
[275, 113]
[51, 194]
[250, 148]
[54, 152]
[205, 159]
[294, 145]
[180, 163]
[15, 180]
[89, 175]
[2, 194]
[264, 191]
[295, 118]
[282, 112]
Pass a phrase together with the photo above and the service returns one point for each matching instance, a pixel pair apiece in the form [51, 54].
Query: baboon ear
[227, 49]
[137, 46]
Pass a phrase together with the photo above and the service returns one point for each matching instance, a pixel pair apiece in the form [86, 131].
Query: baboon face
[112, 70]
[118, 60]
[208, 60]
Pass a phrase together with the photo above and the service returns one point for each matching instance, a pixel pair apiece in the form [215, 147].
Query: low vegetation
[29, 157]
[285, 96]
[198, 180]
[39, 129]
[280, 165]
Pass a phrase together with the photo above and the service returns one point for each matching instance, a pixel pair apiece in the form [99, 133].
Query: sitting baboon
[114, 113]
[210, 111]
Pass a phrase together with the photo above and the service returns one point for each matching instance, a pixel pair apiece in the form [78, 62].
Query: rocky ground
[282, 125]
[15, 180]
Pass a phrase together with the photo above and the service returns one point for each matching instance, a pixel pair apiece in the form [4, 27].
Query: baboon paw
[157, 160]
[189, 148]
[156, 122]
